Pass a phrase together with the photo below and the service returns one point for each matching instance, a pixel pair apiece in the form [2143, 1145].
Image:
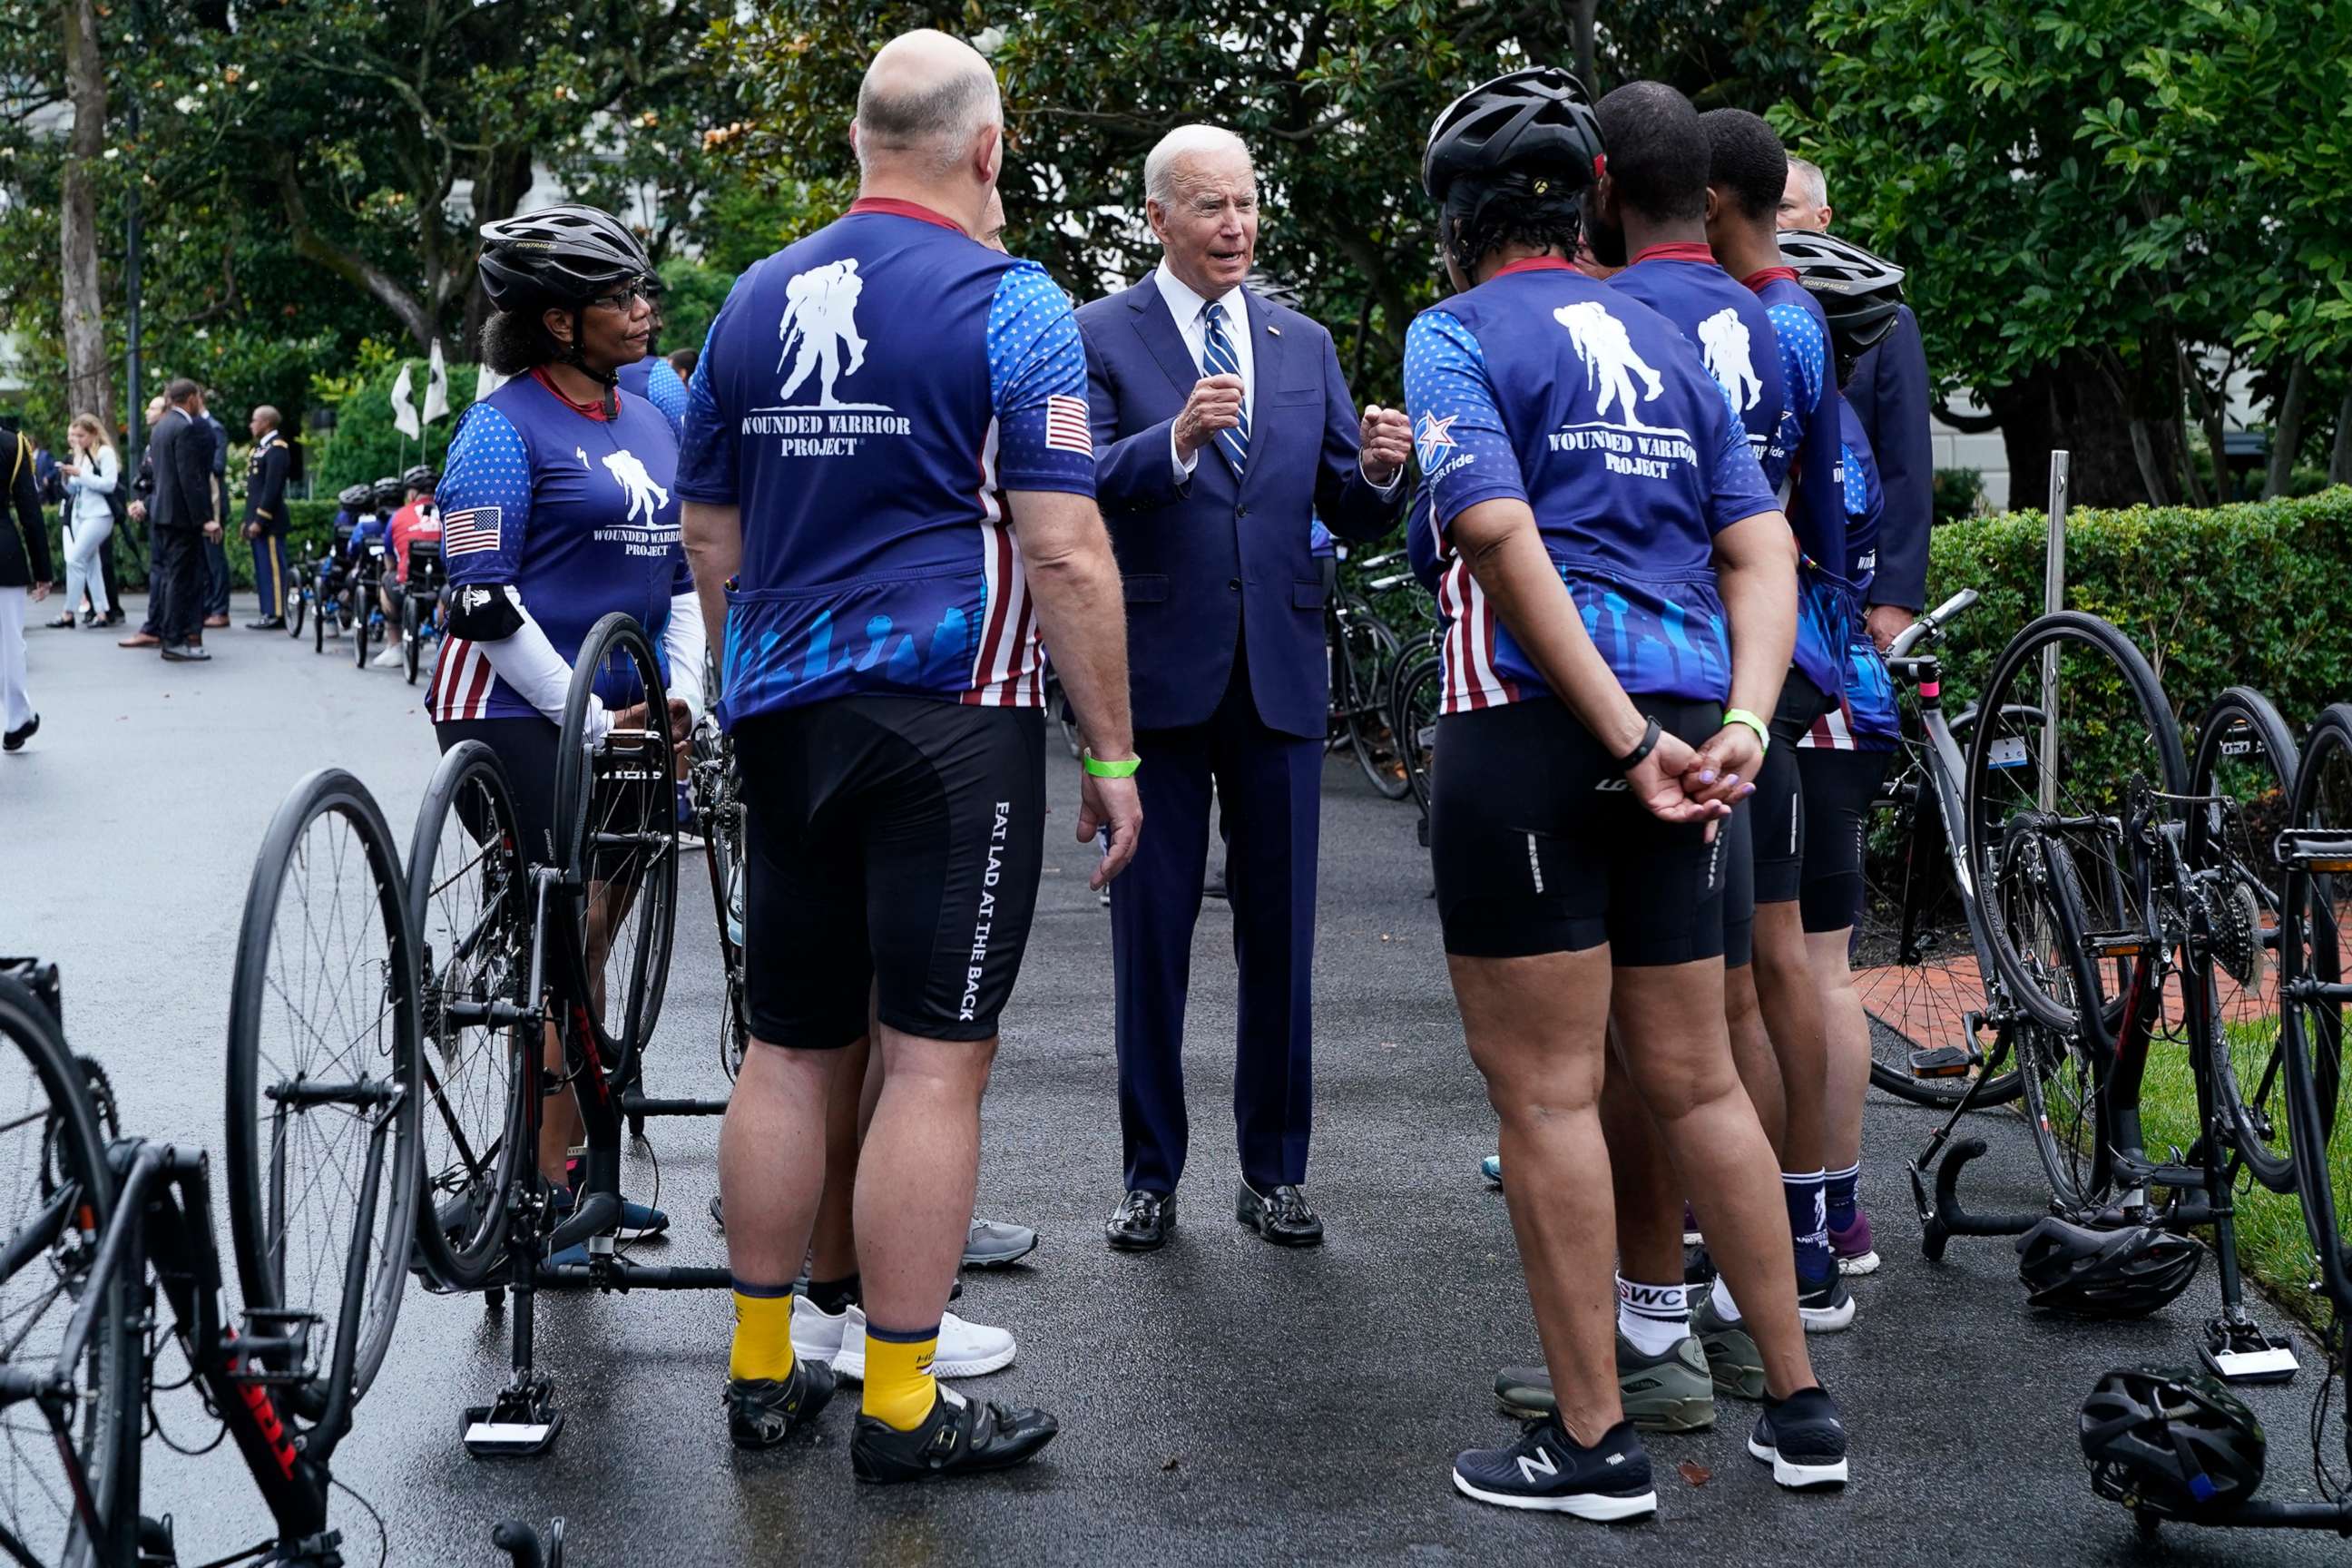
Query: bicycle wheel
[720, 816]
[322, 1162]
[364, 613]
[319, 626]
[2242, 784]
[2073, 713]
[2060, 1075]
[412, 637]
[2312, 948]
[59, 1192]
[1372, 652]
[468, 890]
[1412, 717]
[298, 607]
[616, 812]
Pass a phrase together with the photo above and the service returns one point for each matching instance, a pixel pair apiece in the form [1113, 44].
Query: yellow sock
[763, 1334]
[900, 1388]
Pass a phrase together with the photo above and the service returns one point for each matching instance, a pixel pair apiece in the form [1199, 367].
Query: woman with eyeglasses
[557, 508]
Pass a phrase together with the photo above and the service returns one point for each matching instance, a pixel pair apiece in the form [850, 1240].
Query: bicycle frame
[163, 1218]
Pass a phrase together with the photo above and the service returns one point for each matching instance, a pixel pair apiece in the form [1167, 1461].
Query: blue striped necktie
[1217, 357]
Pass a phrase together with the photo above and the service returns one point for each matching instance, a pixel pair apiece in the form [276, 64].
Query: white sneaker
[388, 660]
[966, 1350]
[817, 1334]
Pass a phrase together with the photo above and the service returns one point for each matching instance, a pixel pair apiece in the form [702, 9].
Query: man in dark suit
[185, 519]
[217, 573]
[1889, 395]
[1222, 428]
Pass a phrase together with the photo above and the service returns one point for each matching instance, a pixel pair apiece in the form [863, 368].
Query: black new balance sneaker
[957, 1438]
[1544, 1470]
[1802, 1439]
[763, 1412]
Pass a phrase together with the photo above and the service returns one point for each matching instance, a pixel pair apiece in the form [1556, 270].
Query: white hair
[1809, 173]
[1160, 166]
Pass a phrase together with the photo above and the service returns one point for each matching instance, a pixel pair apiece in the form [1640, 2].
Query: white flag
[436, 385]
[404, 412]
[486, 381]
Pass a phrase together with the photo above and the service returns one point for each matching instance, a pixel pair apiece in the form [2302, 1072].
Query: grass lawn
[2272, 1244]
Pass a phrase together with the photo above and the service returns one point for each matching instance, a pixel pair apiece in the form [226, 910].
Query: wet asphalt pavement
[1223, 1401]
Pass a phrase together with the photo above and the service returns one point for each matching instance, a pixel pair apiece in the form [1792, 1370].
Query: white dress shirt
[1186, 306]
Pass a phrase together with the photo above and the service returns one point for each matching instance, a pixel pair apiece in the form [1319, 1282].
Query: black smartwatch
[1632, 759]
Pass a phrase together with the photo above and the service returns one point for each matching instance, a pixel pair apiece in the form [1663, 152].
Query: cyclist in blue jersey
[1845, 757]
[889, 484]
[653, 378]
[557, 507]
[1623, 594]
[1747, 169]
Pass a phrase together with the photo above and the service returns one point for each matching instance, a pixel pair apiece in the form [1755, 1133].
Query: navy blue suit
[1888, 393]
[1229, 682]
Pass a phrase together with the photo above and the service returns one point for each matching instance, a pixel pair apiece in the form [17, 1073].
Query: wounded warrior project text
[824, 434]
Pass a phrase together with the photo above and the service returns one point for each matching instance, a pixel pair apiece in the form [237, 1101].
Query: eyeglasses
[643, 289]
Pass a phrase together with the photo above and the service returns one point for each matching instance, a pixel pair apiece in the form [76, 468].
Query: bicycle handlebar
[1928, 627]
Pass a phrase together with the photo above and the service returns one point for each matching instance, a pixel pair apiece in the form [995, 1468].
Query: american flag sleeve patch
[467, 532]
[1066, 425]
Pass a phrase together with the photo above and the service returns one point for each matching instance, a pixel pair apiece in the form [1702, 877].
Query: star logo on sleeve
[1434, 438]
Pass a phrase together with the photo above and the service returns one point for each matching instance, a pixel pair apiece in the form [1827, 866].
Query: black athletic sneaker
[1544, 1470]
[1802, 1439]
[957, 1438]
[1826, 1306]
[763, 1412]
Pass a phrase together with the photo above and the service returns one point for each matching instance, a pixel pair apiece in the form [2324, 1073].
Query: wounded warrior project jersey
[1865, 719]
[1543, 386]
[864, 397]
[577, 513]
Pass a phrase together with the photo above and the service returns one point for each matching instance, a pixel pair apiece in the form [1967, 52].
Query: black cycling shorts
[1839, 788]
[1739, 885]
[527, 748]
[891, 844]
[1777, 807]
[1539, 846]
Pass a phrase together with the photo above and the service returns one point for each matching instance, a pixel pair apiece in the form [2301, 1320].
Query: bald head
[927, 102]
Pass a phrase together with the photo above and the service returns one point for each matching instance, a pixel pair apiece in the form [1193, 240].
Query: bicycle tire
[2062, 1075]
[318, 628]
[71, 1155]
[469, 950]
[2245, 750]
[2312, 947]
[1420, 693]
[411, 638]
[359, 622]
[296, 610]
[270, 1237]
[629, 834]
[2082, 783]
[719, 814]
[1371, 665]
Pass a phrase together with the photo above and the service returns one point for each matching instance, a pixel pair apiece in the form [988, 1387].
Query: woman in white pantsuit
[89, 515]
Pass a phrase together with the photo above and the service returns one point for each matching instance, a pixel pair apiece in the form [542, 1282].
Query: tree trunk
[89, 384]
[499, 182]
[2339, 456]
[1587, 11]
[2286, 435]
[2070, 403]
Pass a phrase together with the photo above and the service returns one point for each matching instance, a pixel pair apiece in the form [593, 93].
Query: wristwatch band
[1649, 742]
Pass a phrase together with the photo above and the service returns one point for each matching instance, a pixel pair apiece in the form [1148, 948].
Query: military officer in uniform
[265, 516]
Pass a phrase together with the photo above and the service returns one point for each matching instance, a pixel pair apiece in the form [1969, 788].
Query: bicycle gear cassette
[2237, 918]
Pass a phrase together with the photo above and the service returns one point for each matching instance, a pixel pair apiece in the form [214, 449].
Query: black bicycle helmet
[559, 257]
[1273, 289]
[350, 498]
[2086, 1273]
[388, 491]
[1526, 133]
[420, 477]
[1859, 293]
[2172, 1441]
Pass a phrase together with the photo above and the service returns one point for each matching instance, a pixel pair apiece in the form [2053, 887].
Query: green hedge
[2249, 594]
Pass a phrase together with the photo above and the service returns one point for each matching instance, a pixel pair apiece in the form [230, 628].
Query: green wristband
[1103, 770]
[1742, 716]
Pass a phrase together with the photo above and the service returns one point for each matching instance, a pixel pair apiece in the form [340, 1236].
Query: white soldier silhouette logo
[1609, 359]
[638, 485]
[820, 320]
[1723, 343]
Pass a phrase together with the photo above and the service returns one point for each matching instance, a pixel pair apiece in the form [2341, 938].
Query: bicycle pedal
[2242, 1352]
[1942, 1061]
[520, 1423]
